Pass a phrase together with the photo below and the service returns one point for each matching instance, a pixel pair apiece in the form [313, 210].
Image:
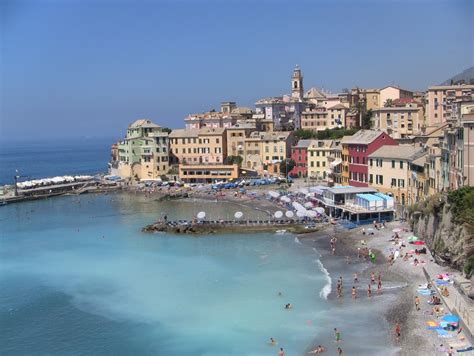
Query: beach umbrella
[285, 199]
[201, 215]
[418, 242]
[397, 230]
[301, 213]
[273, 194]
[308, 205]
[311, 214]
[289, 214]
[319, 210]
[238, 215]
[278, 214]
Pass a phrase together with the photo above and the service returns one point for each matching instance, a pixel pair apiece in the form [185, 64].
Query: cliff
[445, 222]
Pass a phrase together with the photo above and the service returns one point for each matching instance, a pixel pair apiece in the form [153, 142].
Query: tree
[388, 103]
[166, 129]
[367, 120]
[233, 160]
[287, 165]
[304, 134]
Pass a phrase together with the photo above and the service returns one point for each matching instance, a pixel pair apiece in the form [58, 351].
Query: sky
[87, 68]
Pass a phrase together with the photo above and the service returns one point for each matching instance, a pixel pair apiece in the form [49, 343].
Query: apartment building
[299, 154]
[318, 158]
[392, 92]
[236, 136]
[267, 148]
[198, 146]
[441, 102]
[228, 116]
[321, 118]
[389, 170]
[399, 121]
[356, 149]
[143, 153]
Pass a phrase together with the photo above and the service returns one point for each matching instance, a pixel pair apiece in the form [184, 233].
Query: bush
[469, 266]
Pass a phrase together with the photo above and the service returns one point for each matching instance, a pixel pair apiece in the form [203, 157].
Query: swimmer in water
[281, 352]
[318, 350]
[273, 342]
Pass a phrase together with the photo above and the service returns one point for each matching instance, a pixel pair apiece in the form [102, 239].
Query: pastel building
[442, 99]
[143, 153]
[399, 121]
[393, 93]
[198, 146]
[236, 136]
[318, 159]
[299, 154]
[356, 149]
[228, 116]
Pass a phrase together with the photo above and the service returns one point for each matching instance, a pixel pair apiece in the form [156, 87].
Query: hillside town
[405, 144]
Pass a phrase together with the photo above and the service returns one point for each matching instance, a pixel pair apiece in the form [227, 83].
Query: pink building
[358, 147]
[442, 99]
[299, 154]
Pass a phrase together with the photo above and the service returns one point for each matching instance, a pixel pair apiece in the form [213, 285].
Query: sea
[78, 276]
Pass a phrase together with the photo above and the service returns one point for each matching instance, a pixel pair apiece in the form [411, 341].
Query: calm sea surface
[51, 158]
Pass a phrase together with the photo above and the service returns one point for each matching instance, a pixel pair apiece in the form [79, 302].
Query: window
[393, 163]
[371, 162]
[401, 164]
[357, 160]
[324, 164]
[317, 164]
[394, 182]
[401, 183]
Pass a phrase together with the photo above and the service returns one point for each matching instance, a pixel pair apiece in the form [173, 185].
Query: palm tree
[388, 103]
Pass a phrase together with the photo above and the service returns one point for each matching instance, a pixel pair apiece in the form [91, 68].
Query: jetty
[231, 226]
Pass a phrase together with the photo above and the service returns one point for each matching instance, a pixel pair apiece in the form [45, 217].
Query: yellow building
[198, 146]
[345, 164]
[322, 118]
[399, 121]
[236, 136]
[318, 158]
[418, 181]
[267, 148]
[390, 173]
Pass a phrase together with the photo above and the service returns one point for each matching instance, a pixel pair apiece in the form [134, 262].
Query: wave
[297, 241]
[326, 290]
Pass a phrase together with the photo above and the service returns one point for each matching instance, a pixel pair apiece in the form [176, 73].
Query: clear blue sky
[88, 68]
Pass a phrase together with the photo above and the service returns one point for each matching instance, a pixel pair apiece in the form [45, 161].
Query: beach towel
[434, 328]
[441, 282]
[432, 323]
[425, 292]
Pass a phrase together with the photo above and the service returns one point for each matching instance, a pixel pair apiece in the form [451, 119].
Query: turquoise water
[78, 277]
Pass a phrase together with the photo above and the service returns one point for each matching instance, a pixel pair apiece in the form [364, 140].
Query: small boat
[281, 232]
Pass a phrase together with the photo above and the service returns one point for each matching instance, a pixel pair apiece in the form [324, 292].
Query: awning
[335, 163]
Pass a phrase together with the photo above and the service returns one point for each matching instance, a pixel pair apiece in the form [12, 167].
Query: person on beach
[337, 333]
[397, 331]
[369, 292]
[358, 253]
[417, 303]
[372, 278]
[281, 352]
[356, 279]
[354, 292]
[339, 351]
[318, 350]
[379, 287]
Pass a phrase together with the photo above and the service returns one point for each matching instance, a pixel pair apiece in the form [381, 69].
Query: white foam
[326, 290]
[297, 241]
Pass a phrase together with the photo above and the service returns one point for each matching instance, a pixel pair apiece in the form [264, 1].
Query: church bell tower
[297, 83]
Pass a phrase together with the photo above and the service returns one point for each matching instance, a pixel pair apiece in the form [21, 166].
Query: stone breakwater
[221, 227]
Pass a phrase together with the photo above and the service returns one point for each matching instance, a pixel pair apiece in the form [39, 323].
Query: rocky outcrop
[448, 234]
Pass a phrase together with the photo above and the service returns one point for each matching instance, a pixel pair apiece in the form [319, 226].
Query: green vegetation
[469, 266]
[388, 103]
[166, 129]
[367, 120]
[327, 134]
[287, 165]
[462, 201]
[233, 160]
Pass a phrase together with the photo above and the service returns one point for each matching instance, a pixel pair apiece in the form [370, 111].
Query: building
[399, 121]
[352, 120]
[389, 171]
[318, 163]
[299, 154]
[143, 154]
[392, 93]
[442, 99]
[198, 173]
[198, 146]
[236, 136]
[228, 116]
[418, 181]
[267, 149]
[356, 149]
[335, 163]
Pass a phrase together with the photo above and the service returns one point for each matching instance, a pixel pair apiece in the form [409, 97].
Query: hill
[466, 76]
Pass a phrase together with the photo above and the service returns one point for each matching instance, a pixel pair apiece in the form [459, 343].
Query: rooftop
[269, 135]
[362, 137]
[303, 144]
[347, 189]
[144, 123]
[453, 87]
[402, 152]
